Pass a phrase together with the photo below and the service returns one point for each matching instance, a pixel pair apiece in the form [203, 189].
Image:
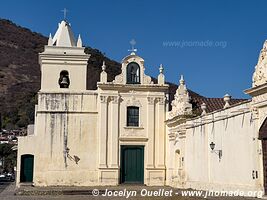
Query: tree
[8, 157]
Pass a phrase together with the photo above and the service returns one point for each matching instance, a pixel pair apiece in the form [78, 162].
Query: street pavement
[3, 185]
[7, 192]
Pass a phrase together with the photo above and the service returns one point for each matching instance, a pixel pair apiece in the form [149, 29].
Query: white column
[103, 132]
[160, 133]
[114, 151]
[150, 152]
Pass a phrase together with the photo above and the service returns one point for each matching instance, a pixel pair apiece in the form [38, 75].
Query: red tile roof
[212, 103]
[196, 100]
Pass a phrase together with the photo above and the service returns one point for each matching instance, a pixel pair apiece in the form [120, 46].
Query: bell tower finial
[182, 82]
[161, 77]
[133, 50]
[103, 74]
[50, 40]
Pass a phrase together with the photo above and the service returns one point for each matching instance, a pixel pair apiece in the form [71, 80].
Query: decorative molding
[259, 98]
[115, 99]
[255, 113]
[178, 133]
[260, 76]
[104, 99]
[122, 79]
[133, 139]
[151, 100]
[133, 127]
[119, 78]
[161, 100]
[181, 104]
[133, 102]
[147, 79]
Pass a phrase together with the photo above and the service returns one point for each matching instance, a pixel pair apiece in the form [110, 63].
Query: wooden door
[132, 164]
[26, 170]
[263, 138]
[264, 153]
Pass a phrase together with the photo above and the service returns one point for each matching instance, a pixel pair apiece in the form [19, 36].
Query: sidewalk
[82, 190]
[131, 192]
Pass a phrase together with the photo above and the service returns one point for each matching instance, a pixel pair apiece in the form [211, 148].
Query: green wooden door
[26, 170]
[132, 164]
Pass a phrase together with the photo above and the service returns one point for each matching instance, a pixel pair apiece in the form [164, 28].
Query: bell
[64, 83]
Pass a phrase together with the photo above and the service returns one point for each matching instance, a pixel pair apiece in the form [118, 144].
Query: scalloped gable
[122, 78]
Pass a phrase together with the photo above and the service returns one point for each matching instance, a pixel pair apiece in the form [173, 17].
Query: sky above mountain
[214, 44]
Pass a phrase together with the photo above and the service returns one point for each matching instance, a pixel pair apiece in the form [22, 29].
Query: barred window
[132, 116]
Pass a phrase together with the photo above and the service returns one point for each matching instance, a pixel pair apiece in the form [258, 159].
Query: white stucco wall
[64, 120]
[113, 103]
[235, 132]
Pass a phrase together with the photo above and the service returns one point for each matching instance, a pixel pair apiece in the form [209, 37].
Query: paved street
[3, 185]
[7, 191]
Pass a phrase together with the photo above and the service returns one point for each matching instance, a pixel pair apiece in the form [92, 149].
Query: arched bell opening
[64, 80]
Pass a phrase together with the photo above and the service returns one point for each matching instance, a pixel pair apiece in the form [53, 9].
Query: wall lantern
[213, 150]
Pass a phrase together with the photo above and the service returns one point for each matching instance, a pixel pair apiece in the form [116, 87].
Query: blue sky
[214, 43]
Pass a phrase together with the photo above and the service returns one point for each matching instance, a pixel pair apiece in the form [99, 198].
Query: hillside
[20, 74]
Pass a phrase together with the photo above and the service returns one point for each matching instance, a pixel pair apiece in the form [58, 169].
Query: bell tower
[63, 62]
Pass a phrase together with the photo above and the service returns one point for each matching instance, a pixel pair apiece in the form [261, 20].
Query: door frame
[263, 138]
[122, 148]
[22, 168]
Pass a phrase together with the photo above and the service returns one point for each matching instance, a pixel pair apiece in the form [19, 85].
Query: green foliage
[8, 156]
[22, 115]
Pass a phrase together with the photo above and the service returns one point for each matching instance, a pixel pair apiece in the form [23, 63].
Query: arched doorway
[26, 168]
[263, 138]
[177, 159]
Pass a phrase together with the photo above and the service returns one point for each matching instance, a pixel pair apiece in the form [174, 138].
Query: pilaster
[114, 132]
[103, 132]
[151, 132]
[160, 136]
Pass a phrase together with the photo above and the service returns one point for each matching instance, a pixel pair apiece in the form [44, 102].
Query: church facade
[125, 131]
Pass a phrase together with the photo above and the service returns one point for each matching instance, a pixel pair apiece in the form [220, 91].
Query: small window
[64, 80]
[132, 116]
[133, 73]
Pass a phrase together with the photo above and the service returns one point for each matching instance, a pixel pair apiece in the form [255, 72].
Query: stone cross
[133, 43]
[65, 13]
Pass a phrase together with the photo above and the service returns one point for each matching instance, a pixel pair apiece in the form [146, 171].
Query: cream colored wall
[56, 59]
[235, 132]
[92, 124]
[64, 121]
[150, 133]
[175, 164]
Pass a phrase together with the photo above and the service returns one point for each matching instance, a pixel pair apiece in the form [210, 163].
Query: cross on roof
[65, 13]
[133, 43]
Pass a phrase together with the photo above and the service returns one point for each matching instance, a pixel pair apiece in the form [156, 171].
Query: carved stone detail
[133, 102]
[259, 98]
[122, 79]
[255, 113]
[260, 74]
[114, 99]
[119, 78]
[177, 133]
[181, 104]
[151, 100]
[147, 79]
[161, 100]
[103, 99]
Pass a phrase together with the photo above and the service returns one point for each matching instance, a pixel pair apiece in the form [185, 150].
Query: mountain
[20, 75]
